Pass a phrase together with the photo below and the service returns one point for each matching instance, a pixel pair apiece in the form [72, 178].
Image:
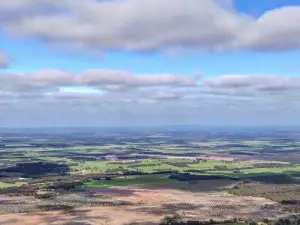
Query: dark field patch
[115, 192]
[192, 177]
[37, 168]
[195, 186]
[283, 157]
[276, 179]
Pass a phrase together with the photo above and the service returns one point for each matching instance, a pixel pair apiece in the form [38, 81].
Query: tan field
[151, 204]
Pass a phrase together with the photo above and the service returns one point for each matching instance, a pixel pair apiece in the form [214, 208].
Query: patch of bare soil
[112, 192]
[151, 205]
[219, 157]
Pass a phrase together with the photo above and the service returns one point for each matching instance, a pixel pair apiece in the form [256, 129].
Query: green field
[8, 185]
[131, 181]
[153, 165]
[258, 172]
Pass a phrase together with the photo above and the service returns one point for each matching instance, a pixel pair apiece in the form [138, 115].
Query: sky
[149, 62]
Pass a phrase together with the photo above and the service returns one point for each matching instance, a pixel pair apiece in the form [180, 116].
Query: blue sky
[257, 8]
[247, 52]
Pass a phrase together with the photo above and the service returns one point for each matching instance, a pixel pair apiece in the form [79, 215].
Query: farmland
[198, 173]
[130, 181]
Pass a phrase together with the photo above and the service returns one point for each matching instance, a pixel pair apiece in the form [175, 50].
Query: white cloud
[276, 30]
[143, 25]
[107, 91]
[125, 78]
[52, 80]
[264, 83]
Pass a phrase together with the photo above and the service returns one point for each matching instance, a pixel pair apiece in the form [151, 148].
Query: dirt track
[150, 205]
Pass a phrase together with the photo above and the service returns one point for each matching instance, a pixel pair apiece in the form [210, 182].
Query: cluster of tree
[128, 173]
[124, 163]
[168, 153]
[163, 171]
[44, 195]
[25, 190]
[144, 165]
[48, 145]
[133, 157]
[83, 158]
[195, 171]
[293, 220]
[55, 183]
[66, 185]
[176, 220]
[138, 171]
[295, 209]
[274, 165]
[190, 177]
[242, 153]
[290, 202]
[75, 181]
[220, 167]
[236, 171]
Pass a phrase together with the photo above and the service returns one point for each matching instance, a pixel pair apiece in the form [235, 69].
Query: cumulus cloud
[49, 80]
[44, 80]
[155, 86]
[263, 83]
[150, 25]
[119, 88]
[4, 60]
[276, 30]
[124, 78]
[63, 101]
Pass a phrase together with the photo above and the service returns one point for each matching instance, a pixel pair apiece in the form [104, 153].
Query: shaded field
[162, 182]
[131, 181]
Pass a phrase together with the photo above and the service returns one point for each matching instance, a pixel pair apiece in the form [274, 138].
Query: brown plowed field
[151, 205]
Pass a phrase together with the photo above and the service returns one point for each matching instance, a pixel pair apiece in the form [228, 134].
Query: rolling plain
[145, 175]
